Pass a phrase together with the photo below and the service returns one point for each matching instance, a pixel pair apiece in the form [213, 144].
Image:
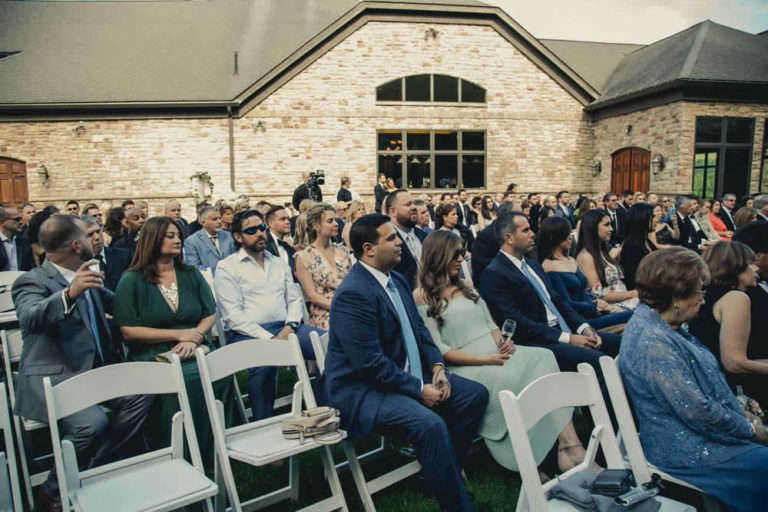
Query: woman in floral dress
[322, 265]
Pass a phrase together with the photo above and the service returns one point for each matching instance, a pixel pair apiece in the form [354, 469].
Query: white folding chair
[9, 479]
[8, 277]
[7, 311]
[262, 442]
[12, 346]
[159, 480]
[543, 396]
[366, 488]
[636, 461]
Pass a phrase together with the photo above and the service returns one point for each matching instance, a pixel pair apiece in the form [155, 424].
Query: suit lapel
[374, 283]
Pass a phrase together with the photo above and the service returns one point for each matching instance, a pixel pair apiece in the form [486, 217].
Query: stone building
[108, 100]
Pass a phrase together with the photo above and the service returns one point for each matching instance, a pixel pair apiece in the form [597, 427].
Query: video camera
[316, 179]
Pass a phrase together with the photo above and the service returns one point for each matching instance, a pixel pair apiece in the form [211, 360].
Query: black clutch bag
[612, 482]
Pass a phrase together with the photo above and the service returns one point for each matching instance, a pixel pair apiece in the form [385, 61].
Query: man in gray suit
[61, 308]
[206, 247]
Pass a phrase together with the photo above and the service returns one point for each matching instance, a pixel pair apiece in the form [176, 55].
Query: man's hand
[85, 279]
[441, 382]
[189, 336]
[430, 395]
[283, 334]
[581, 341]
[591, 334]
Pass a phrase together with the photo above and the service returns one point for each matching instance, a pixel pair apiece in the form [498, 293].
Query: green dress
[139, 303]
[467, 327]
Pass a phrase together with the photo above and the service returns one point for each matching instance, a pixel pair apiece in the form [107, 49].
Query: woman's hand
[185, 349]
[507, 348]
[189, 336]
[497, 359]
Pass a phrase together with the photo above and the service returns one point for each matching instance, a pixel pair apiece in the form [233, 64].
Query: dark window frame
[405, 153]
[431, 100]
[721, 147]
[763, 185]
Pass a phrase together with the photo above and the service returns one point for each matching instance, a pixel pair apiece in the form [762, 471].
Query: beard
[407, 221]
[255, 247]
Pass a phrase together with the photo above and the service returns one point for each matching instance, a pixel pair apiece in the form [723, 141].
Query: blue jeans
[262, 381]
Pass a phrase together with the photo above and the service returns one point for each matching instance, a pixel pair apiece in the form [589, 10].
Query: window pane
[474, 141]
[446, 140]
[736, 171]
[739, 130]
[446, 171]
[446, 88]
[708, 129]
[390, 91]
[390, 141]
[698, 159]
[710, 182]
[698, 181]
[417, 88]
[418, 141]
[392, 166]
[473, 171]
[418, 171]
[472, 93]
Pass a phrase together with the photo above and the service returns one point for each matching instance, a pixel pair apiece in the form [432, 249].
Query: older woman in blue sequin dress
[691, 425]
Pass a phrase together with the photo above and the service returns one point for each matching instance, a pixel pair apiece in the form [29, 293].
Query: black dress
[632, 253]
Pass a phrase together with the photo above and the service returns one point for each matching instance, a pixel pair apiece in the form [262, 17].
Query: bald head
[58, 232]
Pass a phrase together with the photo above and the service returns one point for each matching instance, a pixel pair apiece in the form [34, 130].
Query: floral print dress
[614, 283]
[326, 278]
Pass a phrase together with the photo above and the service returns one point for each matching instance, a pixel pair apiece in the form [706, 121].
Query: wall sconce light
[79, 129]
[657, 163]
[42, 171]
[597, 166]
[259, 126]
[430, 32]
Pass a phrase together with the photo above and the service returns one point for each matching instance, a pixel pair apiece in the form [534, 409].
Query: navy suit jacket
[690, 237]
[408, 265]
[617, 236]
[200, 252]
[272, 247]
[569, 216]
[366, 350]
[118, 261]
[509, 294]
[24, 259]
[484, 249]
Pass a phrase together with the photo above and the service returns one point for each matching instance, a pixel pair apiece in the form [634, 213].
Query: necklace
[171, 293]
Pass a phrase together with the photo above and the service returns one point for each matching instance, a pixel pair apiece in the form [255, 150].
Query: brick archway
[630, 169]
[13, 182]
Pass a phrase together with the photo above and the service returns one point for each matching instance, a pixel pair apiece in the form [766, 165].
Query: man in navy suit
[384, 372]
[691, 234]
[112, 261]
[16, 253]
[403, 213]
[206, 247]
[564, 208]
[514, 286]
[618, 216]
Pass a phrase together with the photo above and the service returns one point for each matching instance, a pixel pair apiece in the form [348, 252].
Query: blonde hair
[315, 216]
[301, 237]
[305, 205]
[354, 206]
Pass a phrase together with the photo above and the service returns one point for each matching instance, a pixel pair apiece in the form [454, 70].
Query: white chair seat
[265, 444]
[173, 482]
[667, 505]
[33, 424]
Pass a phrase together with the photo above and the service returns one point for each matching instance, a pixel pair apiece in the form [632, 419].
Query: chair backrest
[6, 301]
[218, 325]
[320, 346]
[7, 277]
[113, 381]
[547, 394]
[625, 420]
[12, 345]
[10, 453]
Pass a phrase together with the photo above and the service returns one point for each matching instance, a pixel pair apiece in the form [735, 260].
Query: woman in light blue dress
[462, 328]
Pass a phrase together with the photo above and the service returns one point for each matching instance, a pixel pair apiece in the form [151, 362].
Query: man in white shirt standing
[257, 299]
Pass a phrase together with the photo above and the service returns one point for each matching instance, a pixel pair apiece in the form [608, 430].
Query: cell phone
[672, 211]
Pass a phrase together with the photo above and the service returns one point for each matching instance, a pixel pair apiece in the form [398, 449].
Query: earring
[677, 305]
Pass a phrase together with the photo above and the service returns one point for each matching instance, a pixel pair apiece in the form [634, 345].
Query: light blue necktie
[414, 359]
[545, 298]
[94, 325]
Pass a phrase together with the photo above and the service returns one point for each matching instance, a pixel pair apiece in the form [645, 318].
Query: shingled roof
[706, 53]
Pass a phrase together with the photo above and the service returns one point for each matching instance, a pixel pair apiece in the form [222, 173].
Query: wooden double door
[630, 170]
[13, 182]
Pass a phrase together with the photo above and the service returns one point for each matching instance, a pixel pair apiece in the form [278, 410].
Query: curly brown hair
[669, 275]
[437, 254]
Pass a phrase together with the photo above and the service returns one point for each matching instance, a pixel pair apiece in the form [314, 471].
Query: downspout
[231, 149]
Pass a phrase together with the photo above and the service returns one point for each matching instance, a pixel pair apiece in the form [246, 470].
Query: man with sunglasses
[73, 207]
[17, 253]
[257, 298]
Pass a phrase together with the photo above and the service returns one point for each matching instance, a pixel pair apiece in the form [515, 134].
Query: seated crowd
[418, 301]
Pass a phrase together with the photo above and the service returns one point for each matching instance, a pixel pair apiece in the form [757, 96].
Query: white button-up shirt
[249, 295]
[551, 318]
[412, 242]
[9, 244]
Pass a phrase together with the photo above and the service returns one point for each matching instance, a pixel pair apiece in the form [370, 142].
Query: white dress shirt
[551, 318]
[412, 242]
[9, 244]
[280, 250]
[249, 295]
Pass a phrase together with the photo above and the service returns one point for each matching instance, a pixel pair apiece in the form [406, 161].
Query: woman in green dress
[161, 304]
[462, 328]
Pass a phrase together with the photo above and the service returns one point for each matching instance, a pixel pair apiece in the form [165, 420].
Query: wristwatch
[293, 325]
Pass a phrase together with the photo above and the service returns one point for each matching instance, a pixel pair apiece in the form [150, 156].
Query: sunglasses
[255, 229]
[459, 254]
[72, 209]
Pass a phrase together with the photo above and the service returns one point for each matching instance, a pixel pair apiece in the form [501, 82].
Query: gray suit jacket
[56, 345]
[200, 252]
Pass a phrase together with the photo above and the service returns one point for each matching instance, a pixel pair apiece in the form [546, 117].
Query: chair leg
[220, 502]
[23, 462]
[293, 477]
[229, 483]
[358, 476]
[333, 478]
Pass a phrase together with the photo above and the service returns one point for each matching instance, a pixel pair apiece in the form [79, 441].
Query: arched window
[430, 88]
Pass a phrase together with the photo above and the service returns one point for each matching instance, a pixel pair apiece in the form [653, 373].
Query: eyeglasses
[255, 229]
[459, 253]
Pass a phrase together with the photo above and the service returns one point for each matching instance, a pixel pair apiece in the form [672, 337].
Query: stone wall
[326, 117]
[670, 130]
